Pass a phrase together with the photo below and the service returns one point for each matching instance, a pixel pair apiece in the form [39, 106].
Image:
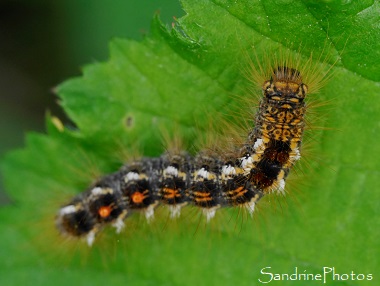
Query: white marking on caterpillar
[210, 213]
[250, 206]
[119, 224]
[297, 156]
[281, 187]
[228, 170]
[175, 211]
[247, 163]
[170, 170]
[149, 213]
[202, 173]
[90, 238]
[259, 143]
[67, 210]
[97, 191]
[131, 176]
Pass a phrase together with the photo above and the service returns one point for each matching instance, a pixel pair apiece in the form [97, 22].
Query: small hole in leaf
[129, 121]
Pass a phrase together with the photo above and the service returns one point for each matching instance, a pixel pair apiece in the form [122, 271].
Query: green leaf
[174, 79]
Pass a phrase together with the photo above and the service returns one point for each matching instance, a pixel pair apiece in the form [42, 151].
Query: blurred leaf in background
[170, 79]
[43, 42]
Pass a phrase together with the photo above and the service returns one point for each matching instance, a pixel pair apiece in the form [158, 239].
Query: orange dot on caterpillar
[104, 211]
[137, 197]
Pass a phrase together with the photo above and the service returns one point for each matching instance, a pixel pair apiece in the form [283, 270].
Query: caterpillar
[239, 177]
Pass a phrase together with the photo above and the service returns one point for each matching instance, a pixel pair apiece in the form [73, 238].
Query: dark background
[44, 42]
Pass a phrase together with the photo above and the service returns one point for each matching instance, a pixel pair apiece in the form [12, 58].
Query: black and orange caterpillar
[208, 181]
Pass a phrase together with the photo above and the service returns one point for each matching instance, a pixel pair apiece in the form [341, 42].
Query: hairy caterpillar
[209, 180]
